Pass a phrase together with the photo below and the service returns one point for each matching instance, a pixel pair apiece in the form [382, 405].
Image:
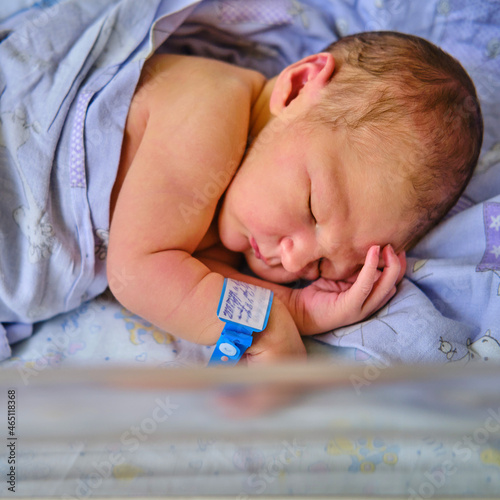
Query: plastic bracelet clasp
[245, 309]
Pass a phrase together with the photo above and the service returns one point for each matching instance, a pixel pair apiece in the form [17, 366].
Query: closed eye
[319, 267]
[311, 211]
[315, 222]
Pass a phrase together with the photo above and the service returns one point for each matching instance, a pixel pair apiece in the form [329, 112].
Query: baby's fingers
[367, 277]
[373, 288]
[385, 286]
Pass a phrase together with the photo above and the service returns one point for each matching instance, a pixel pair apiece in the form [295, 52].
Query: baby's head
[415, 103]
[367, 143]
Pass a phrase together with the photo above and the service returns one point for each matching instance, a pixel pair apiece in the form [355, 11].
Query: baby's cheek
[340, 270]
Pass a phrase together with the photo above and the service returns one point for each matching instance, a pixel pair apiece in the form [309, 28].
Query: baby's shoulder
[169, 78]
[182, 98]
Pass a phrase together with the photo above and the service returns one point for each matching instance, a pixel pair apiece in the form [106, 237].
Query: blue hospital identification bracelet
[245, 309]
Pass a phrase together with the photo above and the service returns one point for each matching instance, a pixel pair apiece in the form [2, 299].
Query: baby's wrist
[291, 302]
[245, 310]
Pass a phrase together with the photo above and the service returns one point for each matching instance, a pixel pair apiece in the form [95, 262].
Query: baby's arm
[196, 129]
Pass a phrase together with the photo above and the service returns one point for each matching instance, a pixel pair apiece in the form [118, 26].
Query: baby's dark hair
[407, 91]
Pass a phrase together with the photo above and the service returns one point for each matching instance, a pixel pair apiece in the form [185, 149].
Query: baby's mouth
[255, 247]
[256, 250]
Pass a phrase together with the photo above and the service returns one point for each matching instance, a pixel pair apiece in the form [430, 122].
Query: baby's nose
[298, 259]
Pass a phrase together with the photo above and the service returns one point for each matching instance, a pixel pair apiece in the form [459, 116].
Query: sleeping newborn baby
[327, 172]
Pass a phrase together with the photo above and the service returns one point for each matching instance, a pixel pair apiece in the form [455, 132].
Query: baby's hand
[280, 341]
[327, 304]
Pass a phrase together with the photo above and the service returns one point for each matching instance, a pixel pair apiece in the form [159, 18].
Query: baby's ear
[305, 77]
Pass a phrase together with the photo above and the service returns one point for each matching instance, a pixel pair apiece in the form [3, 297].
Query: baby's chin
[275, 274]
